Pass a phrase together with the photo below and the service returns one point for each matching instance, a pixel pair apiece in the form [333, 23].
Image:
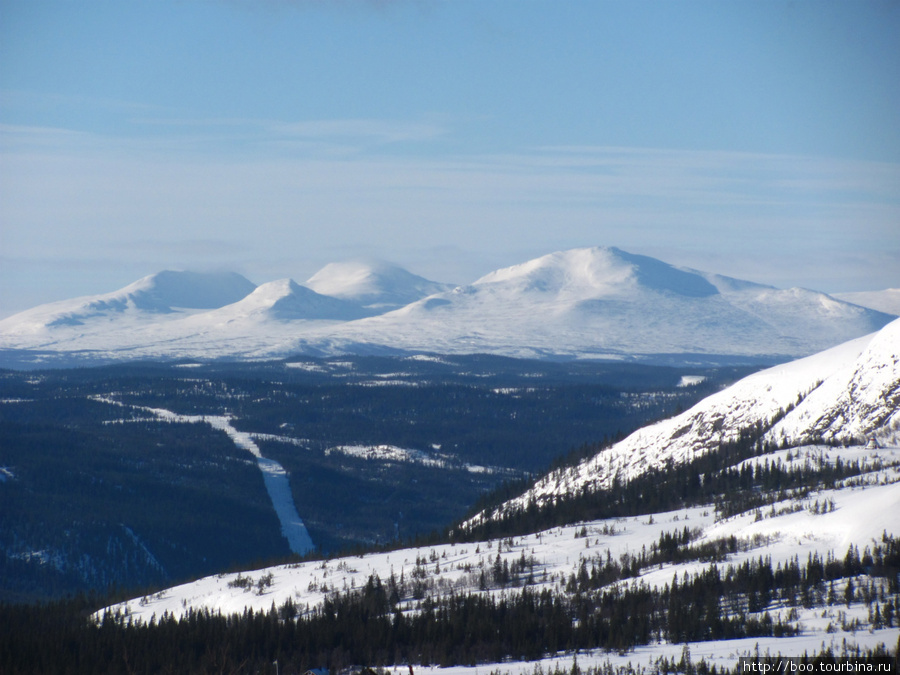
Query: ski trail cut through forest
[275, 477]
[277, 485]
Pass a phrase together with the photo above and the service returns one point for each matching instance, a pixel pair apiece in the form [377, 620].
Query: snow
[846, 394]
[606, 303]
[584, 303]
[392, 453]
[165, 294]
[373, 284]
[860, 517]
[387, 453]
[859, 401]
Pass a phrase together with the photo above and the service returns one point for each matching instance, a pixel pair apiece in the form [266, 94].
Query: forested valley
[97, 493]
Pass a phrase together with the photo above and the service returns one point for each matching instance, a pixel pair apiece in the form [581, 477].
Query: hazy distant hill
[583, 303]
[376, 285]
[887, 301]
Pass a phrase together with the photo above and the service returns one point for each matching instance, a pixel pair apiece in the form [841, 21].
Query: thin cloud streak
[67, 194]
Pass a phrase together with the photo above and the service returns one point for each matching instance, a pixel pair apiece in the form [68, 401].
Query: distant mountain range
[887, 301]
[599, 303]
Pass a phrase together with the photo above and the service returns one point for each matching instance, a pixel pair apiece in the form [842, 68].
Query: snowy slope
[377, 285]
[285, 300]
[887, 301]
[860, 400]
[587, 303]
[604, 302]
[559, 550]
[860, 510]
[163, 293]
[859, 518]
[849, 393]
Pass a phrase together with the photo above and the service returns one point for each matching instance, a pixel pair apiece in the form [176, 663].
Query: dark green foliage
[93, 502]
[128, 505]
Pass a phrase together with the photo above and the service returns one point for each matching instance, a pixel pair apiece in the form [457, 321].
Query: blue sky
[752, 138]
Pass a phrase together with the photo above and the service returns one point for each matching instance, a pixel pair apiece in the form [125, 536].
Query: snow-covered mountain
[849, 394]
[584, 303]
[285, 300]
[377, 285]
[887, 301]
[606, 303]
[164, 293]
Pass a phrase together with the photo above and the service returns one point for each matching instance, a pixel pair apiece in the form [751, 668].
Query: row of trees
[373, 625]
[721, 477]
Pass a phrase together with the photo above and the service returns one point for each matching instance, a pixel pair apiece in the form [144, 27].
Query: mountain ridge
[560, 303]
[286, 300]
[599, 303]
[164, 292]
[376, 285]
[849, 394]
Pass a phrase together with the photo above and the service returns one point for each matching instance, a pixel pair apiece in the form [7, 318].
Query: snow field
[591, 302]
[860, 516]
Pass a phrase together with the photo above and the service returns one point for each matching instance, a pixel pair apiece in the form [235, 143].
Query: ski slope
[275, 478]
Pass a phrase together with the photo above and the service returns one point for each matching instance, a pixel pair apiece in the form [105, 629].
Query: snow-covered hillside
[584, 303]
[155, 297]
[849, 394]
[887, 301]
[860, 516]
[606, 303]
[283, 300]
[795, 530]
[376, 285]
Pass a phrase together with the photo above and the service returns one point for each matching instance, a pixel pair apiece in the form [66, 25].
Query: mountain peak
[601, 271]
[189, 290]
[372, 283]
[165, 292]
[286, 300]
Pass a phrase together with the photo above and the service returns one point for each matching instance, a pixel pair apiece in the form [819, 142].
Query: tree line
[371, 625]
